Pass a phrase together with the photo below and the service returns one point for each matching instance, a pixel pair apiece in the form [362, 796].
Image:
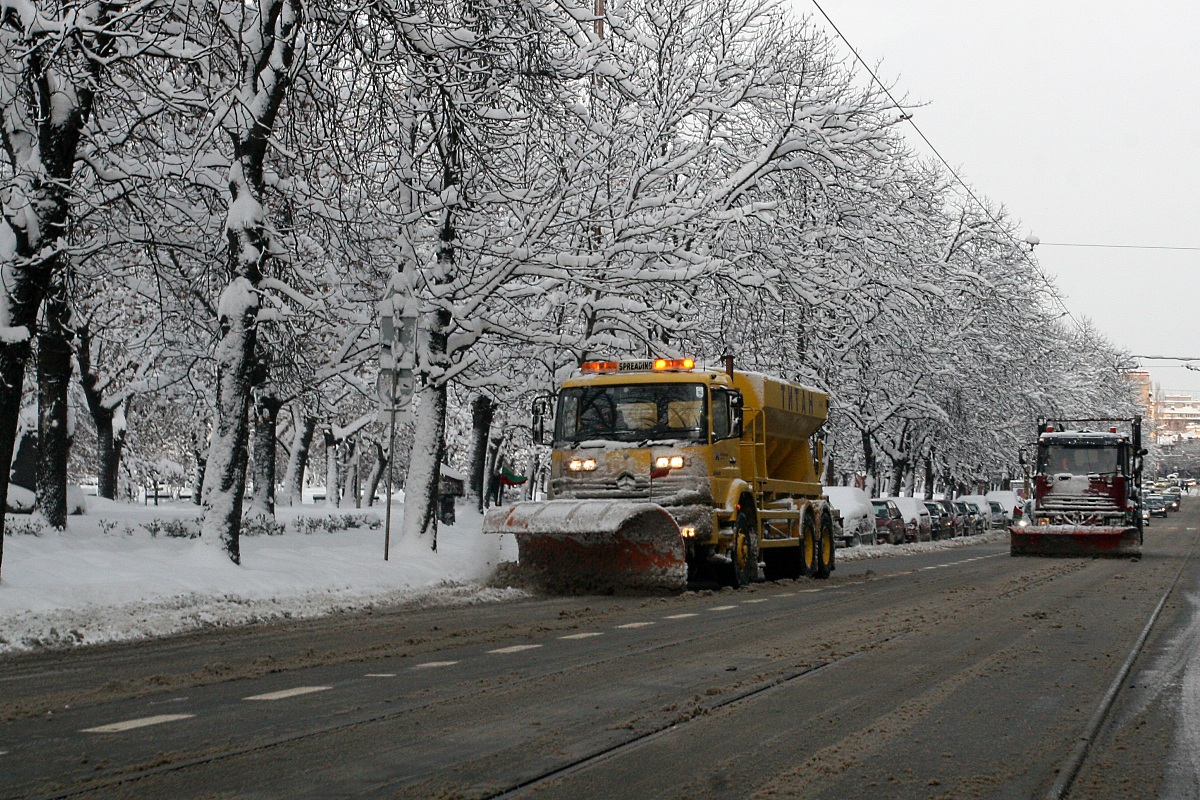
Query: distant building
[1145, 391]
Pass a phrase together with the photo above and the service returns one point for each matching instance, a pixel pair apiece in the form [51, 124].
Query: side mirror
[539, 412]
[736, 414]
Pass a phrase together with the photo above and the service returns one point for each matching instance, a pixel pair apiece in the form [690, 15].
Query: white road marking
[809, 591]
[786, 594]
[286, 693]
[3, 752]
[758, 600]
[721, 608]
[582, 635]
[516, 648]
[432, 664]
[130, 724]
[681, 616]
[636, 625]
[381, 675]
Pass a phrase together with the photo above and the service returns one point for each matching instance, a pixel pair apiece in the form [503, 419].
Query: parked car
[957, 519]
[1009, 502]
[858, 517]
[889, 522]
[970, 517]
[918, 526]
[941, 521]
[992, 517]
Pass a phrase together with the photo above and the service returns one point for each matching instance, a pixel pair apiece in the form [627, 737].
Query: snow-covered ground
[109, 578]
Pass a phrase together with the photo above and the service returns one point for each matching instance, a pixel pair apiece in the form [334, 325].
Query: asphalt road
[960, 673]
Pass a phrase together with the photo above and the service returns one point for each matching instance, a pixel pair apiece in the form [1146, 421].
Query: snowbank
[108, 578]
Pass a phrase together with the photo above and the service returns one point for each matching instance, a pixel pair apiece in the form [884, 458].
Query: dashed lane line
[516, 648]
[756, 600]
[680, 616]
[434, 664]
[636, 625]
[286, 693]
[721, 608]
[130, 724]
[587, 635]
[380, 675]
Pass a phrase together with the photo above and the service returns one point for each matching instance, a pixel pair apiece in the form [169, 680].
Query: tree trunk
[225, 474]
[424, 465]
[381, 463]
[267, 70]
[929, 478]
[429, 441]
[266, 420]
[13, 357]
[348, 476]
[53, 377]
[332, 495]
[482, 411]
[869, 464]
[899, 466]
[298, 458]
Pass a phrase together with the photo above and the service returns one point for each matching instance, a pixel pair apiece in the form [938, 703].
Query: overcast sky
[1083, 118]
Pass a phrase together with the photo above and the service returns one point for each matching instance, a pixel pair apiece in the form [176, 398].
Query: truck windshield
[632, 413]
[1079, 459]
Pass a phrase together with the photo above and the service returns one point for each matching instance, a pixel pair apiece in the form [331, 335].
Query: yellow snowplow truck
[664, 472]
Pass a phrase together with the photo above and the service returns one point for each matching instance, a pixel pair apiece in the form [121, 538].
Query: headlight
[1023, 523]
[581, 464]
[668, 462]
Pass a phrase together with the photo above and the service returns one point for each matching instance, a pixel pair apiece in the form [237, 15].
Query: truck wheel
[825, 551]
[808, 547]
[744, 569]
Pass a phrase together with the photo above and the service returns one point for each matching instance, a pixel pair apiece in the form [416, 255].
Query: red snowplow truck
[1086, 490]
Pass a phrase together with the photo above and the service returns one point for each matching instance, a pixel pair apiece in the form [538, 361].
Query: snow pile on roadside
[884, 550]
[108, 579]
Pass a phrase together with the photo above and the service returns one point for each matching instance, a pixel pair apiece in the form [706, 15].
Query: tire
[744, 569]
[807, 555]
[825, 551]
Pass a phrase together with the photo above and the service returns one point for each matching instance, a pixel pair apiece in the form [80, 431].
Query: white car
[858, 517]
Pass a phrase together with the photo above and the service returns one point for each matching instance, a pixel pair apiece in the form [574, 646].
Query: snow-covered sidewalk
[109, 578]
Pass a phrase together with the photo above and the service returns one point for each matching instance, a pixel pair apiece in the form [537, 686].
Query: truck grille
[1076, 503]
[627, 486]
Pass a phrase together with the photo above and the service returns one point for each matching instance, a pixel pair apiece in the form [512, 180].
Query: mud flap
[594, 546]
[1067, 540]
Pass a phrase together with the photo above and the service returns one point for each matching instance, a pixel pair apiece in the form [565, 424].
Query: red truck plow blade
[594, 546]
[1070, 540]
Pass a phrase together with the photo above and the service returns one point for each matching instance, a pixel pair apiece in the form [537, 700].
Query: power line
[1116, 246]
[907, 117]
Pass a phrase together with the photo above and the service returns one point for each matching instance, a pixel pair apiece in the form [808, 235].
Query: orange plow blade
[594, 546]
[1068, 540]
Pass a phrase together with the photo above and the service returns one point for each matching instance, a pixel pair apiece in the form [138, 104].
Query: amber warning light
[673, 363]
[658, 365]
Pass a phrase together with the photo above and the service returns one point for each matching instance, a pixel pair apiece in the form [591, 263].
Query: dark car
[942, 522]
[957, 518]
[1157, 505]
[973, 523]
[1172, 495]
[889, 522]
